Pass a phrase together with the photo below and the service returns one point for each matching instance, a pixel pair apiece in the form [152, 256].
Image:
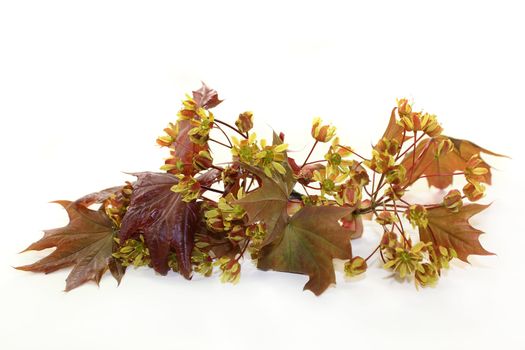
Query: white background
[86, 87]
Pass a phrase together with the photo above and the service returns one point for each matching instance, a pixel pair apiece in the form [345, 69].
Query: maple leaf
[444, 164]
[86, 242]
[166, 221]
[311, 239]
[269, 202]
[206, 97]
[452, 230]
[97, 197]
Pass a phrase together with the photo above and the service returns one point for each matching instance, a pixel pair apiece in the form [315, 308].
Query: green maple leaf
[269, 202]
[86, 242]
[311, 239]
[452, 230]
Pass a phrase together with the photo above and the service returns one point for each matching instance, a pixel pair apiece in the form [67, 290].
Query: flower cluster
[417, 121]
[422, 261]
[267, 157]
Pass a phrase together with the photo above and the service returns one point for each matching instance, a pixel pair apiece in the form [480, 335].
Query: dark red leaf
[166, 221]
[206, 97]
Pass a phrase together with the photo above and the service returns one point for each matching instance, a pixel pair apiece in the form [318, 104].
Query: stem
[350, 150]
[375, 250]
[315, 162]
[408, 149]
[212, 189]
[231, 127]
[413, 158]
[220, 143]
[305, 190]
[431, 175]
[224, 133]
[309, 154]
[241, 254]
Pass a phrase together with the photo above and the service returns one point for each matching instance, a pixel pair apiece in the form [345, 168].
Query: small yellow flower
[322, 133]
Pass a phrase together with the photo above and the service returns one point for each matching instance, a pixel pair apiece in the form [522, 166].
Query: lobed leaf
[86, 243]
[452, 230]
[166, 221]
[312, 238]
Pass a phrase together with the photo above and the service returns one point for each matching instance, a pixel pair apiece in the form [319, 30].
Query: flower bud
[386, 218]
[474, 191]
[476, 169]
[417, 215]
[322, 133]
[356, 266]
[244, 122]
[453, 201]
[202, 160]
[395, 192]
[404, 108]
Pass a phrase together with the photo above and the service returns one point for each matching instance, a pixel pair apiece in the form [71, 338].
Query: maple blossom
[198, 216]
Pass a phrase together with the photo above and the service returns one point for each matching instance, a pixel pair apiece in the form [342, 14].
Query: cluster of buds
[133, 252]
[417, 121]
[351, 191]
[244, 122]
[417, 215]
[227, 218]
[267, 157]
[190, 132]
[341, 178]
[201, 126]
[453, 201]
[383, 156]
[201, 260]
[230, 269]
[355, 266]
[422, 262]
[475, 173]
[386, 218]
[402, 258]
[256, 233]
[117, 204]
[188, 187]
[320, 132]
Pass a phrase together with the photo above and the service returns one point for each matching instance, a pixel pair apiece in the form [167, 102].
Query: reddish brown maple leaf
[441, 166]
[393, 131]
[452, 230]
[166, 221]
[86, 242]
[206, 97]
[312, 238]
